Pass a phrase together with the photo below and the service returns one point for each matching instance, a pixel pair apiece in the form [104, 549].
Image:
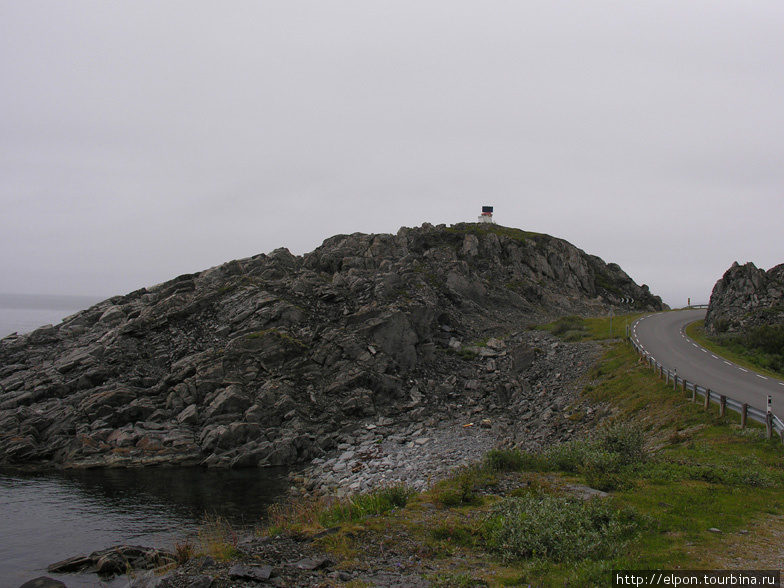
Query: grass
[461, 486]
[675, 474]
[676, 471]
[303, 516]
[575, 328]
[184, 551]
[355, 508]
[216, 538]
[480, 229]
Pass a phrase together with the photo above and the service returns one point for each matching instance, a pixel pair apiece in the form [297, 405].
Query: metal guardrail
[766, 417]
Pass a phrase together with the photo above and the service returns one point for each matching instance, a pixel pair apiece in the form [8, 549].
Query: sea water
[46, 517]
[23, 313]
[49, 516]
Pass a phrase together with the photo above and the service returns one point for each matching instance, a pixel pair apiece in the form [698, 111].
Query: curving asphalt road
[663, 336]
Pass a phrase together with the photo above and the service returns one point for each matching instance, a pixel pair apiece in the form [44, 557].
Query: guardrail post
[744, 413]
[707, 398]
[675, 383]
[722, 405]
[694, 393]
[661, 372]
[684, 385]
[769, 425]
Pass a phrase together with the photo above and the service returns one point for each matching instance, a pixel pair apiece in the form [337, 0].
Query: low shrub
[512, 460]
[603, 460]
[460, 487]
[568, 324]
[560, 528]
[731, 476]
[605, 471]
[566, 457]
[627, 440]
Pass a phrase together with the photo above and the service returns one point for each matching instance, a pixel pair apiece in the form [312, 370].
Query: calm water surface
[48, 517]
[23, 313]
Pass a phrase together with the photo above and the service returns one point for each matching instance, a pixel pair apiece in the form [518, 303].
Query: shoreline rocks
[114, 561]
[381, 450]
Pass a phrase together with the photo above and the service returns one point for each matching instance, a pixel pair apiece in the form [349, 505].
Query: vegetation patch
[462, 580]
[609, 461]
[480, 229]
[461, 487]
[360, 506]
[216, 538]
[570, 328]
[300, 516]
[682, 484]
[559, 528]
[760, 347]
[576, 328]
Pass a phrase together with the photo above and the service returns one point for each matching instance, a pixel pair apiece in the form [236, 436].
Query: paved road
[663, 336]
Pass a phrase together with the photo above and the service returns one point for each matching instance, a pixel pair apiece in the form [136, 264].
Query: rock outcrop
[268, 360]
[746, 297]
[115, 561]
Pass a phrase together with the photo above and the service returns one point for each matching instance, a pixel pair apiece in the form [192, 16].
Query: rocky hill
[746, 297]
[274, 359]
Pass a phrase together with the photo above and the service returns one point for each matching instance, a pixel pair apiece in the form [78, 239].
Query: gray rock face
[746, 297]
[479, 409]
[43, 582]
[268, 360]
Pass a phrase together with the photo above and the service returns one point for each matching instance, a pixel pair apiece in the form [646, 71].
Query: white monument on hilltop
[487, 215]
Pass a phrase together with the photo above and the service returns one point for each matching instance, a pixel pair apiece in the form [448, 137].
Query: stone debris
[260, 573]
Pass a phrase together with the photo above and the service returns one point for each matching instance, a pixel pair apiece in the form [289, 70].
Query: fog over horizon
[145, 140]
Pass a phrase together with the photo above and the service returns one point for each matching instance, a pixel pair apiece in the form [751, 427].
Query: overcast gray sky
[140, 140]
